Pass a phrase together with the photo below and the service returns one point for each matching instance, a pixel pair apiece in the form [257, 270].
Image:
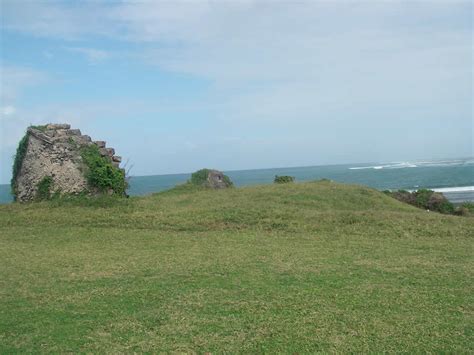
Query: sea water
[455, 178]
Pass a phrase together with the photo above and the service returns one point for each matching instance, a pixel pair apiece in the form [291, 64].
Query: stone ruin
[54, 151]
[211, 178]
[217, 180]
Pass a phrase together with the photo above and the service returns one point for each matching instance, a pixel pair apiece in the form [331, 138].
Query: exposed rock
[74, 132]
[116, 158]
[217, 180]
[211, 178]
[55, 126]
[100, 144]
[54, 151]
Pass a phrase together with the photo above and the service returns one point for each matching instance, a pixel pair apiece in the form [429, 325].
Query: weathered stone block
[111, 151]
[117, 158]
[73, 132]
[100, 144]
[58, 126]
[104, 152]
[60, 133]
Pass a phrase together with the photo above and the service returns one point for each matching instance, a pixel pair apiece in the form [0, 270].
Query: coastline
[454, 178]
[455, 194]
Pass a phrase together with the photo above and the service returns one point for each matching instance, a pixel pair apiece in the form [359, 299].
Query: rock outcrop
[217, 180]
[54, 152]
[214, 179]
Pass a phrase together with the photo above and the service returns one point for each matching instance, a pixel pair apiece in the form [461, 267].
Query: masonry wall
[56, 152]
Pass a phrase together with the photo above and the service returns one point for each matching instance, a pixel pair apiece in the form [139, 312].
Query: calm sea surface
[455, 178]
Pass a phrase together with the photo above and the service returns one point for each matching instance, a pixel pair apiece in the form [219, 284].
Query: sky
[175, 86]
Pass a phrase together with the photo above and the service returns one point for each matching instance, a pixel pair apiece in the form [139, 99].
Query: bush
[465, 209]
[43, 191]
[283, 179]
[200, 177]
[41, 128]
[469, 206]
[422, 197]
[426, 199]
[101, 175]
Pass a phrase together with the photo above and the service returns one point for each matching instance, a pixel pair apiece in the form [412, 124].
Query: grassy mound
[291, 268]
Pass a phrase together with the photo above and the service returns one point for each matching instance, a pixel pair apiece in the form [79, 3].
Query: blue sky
[177, 86]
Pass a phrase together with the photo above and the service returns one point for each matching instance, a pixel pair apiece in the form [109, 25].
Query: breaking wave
[416, 164]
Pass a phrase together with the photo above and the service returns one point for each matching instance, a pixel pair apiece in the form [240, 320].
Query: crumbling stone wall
[54, 151]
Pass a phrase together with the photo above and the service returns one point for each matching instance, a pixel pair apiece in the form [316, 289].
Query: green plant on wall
[19, 156]
[200, 177]
[101, 174]
[17, 162]
[44, 187]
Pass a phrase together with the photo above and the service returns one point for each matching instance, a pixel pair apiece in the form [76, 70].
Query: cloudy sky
[180, 85]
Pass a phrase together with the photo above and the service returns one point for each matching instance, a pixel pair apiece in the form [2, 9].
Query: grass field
[293, 268]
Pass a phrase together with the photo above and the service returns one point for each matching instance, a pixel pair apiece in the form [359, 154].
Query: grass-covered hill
[293, 268]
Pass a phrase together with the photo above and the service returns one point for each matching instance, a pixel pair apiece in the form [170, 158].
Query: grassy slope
[293, 268]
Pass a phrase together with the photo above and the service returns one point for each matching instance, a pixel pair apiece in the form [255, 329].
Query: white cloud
[64, 20]
[47, 54]
[7, 110]
[314, 71]
[15, 79]
[93, 55]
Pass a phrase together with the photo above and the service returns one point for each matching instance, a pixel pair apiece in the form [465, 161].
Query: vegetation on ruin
[199, 178]
[41, 128]
[44, 187]
[290, 268]
[101, 174]
[17, 162]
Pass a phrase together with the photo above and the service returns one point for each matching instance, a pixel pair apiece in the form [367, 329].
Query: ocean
[455, 177]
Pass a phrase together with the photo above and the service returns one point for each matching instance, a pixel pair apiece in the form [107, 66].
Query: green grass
[293, 268]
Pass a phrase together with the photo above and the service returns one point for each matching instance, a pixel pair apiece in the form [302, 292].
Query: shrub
[465, 209]
[426, 199]
[200, 177]
[283, 179]
[469, 206]
[41, 128]
[101, 174]
[422, 197]
[43, 191]
[228, 181]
